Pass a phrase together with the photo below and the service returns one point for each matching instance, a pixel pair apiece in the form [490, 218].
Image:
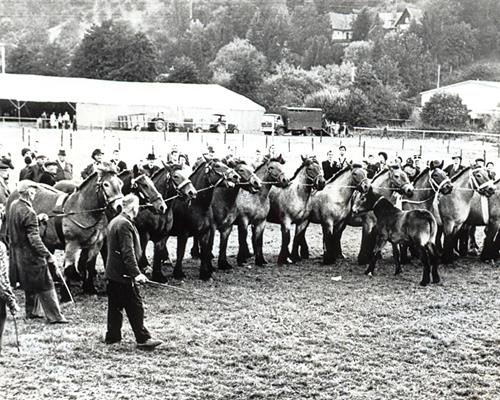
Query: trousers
[46, 301]
[3, 318]
[125, 297]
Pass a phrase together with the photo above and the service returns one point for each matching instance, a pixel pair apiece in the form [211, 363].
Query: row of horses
[219, 195]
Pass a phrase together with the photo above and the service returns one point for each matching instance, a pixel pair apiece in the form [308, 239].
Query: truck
[296, 121]
[142, 121]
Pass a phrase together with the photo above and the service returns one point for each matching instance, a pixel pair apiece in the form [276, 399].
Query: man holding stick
[7, 298]
[123, 275]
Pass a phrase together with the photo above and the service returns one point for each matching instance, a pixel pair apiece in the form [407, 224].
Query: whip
[17, 334]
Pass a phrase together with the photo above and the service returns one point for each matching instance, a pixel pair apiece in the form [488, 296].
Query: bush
[445, 110]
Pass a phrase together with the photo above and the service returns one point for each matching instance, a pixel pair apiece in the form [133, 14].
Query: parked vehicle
[220, 125]
[143, 121]
[296, 121]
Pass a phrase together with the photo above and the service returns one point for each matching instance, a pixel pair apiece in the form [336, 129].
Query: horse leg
[463, 240]
[380, 242]
[222, 263]
[303, 246]
[473, 249]
[449, 232]
[434, 261]
[367, 240]
[181, 248]
[405, 259]
[157, 274]
[489, 252]
[243, 250]
[85, 266]
[195, 250]
[205, 240]
[426, 275]
[328, 242]
[397, 258]
[283, 257]
[143, 261]
[439, 240]
[337, 241]
[299, 235]
[258, 234]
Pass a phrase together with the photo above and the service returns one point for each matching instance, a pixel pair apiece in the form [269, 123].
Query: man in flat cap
[49, 175]
[64, 169]
[455, 168]
[39, 168]
[150, 167]
[94, 165]
[30, 259]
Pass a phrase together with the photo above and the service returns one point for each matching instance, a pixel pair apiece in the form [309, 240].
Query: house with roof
[342, 26]
[400, 21]
[481, 97]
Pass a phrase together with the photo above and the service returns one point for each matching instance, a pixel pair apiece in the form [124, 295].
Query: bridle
[223, 176]
[361, 182]
[475, 184]
[107, 198]
[435, 185]
[135, 187]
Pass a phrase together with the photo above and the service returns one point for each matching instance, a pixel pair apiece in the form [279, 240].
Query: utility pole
[439, 76]
[2, 56]
[190, 10]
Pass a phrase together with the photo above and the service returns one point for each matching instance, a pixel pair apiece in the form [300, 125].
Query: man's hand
[14, 309]
[42, 217]
[141, 278]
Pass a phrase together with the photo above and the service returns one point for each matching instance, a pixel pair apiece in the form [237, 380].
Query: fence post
[289, 145]
[312, 144]
[461, 152]
[71, 139]
[22, 130]
[164, 135]
[423, 135]
[359, 140]
[448, 147]
[29, 140]
[152, 148]
[364, 148]
[321, 136]
[225, 134]
[420, 151]
[187, 135]
[201, 136]
[242, 140]
[119, 143]
[268, 137]
[484, 156]
[62, 137]
[402, 143]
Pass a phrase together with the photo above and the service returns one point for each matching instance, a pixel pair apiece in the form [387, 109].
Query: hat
[151, 157]
[7, 162]
[436, 164]
[40, 156]
[479, 159]
[457, 156]
[210, 149]
[342, 147]
[62, 152]
[23, 186]
[50, 164]
[97, 152]
[3, 165]
[409, 161]
[383, 154]
[24, 151]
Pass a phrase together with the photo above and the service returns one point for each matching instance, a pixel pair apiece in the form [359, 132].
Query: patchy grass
[278, 332]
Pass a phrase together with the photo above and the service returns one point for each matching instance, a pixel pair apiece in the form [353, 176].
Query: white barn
[480, 97]
[99, 102]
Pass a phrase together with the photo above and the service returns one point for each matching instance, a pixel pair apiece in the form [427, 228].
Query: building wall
[99, 115]
[479, 99]
[341, 35]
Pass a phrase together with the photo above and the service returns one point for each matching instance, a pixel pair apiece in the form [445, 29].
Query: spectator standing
[38, 169]
[49, 175]
[97, 155]
[119, 164]
[64, 168]
[329, 165]
[53, 120]
[455, 168]
[150, 167]
[491, 170]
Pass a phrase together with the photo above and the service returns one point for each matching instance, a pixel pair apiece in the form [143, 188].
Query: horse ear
[303, 158]
[135, 171]
[281, 159]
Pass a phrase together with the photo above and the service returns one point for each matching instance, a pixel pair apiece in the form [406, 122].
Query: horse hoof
[205, 275]
[397, 272]
[72, 274]
[178, 275]
[424, 282]
[436, 280]
[260, 263]
[195, 254]
[369, 273]
[328, 260]
[225, 266]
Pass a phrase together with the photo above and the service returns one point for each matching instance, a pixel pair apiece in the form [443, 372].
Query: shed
[100, 102]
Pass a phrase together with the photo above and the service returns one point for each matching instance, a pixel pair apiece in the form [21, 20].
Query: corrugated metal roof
[51, 89]
[342, 22]
[493, 84]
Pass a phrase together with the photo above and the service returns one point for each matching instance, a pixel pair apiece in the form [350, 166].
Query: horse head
[109, 188]
[365, 202]
[400, 182]
[275, 173]
[360, 178]
[480, 181]
[249, 181]
[144, 188]
[439, 181]
[314, 172]
[181, 182]
[219, 174]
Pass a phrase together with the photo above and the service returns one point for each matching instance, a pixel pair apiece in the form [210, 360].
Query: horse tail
[432, 228]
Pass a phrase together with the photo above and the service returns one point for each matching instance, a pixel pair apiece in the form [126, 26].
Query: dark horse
[417, 228]
[196, 219]
[252, 209]
[225, 210]
[491, 245]
[82, 221]
[172, 182]
[291, 205]
[133, 182]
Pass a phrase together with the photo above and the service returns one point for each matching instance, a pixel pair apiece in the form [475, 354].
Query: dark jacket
[28, 254]
[150, 171]
[37, 172]
[371, 170]
[329, 169]
[124, 250]
[120, 165]
[88, 170]
[26, 173]
[65, 173]
[452, 172]
[48, 179]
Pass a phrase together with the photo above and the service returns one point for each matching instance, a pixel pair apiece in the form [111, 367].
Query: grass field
[278, 333]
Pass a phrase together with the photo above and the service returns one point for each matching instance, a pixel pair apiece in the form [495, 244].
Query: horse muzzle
[487, 191]
[160, 206]
[446, 189]
[407, 190]
[319, 182]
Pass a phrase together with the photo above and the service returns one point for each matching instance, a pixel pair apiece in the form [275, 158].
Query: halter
[378, 200]
[135, 185]
[437, 186]
[224, 176]
[475, 184]
[107, 199]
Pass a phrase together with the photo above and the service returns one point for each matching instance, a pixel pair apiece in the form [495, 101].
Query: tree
[358, 52]
[240, 67]
[114, 51]
[183, 70]
[362, 24]
[445, 110]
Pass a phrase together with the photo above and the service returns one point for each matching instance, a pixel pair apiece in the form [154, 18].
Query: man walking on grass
[123, 276]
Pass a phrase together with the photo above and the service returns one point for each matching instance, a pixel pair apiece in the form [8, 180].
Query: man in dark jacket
[49, 175]
[93, 167]
[123, 276]
[455, 168]
[329, 165]
[38, 169]
[150, 168]
[119, 164]
[64, 169]
[29, 257]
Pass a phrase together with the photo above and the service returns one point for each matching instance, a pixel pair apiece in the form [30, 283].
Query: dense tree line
[277, 52]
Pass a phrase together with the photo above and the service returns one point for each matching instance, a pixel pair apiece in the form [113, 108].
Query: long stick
[17, 335]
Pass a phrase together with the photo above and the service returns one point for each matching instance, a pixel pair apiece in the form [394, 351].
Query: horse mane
[339, 173]
[305, 163]
[466, 169]
[50, 188]
[380, 173]
[106, 169]
[267, 160]
[422, 173]
[124, 172]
